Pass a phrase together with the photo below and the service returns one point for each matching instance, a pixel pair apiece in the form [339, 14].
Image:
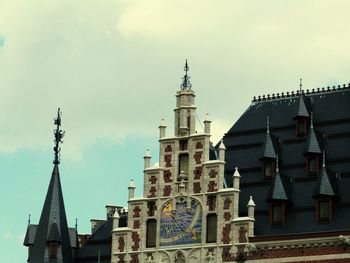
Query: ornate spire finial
[312, 120]
[29, 220]
[76, 223]
[186, 84]
[301, 85]
[277, 165]
[268, 124]
[58, 137]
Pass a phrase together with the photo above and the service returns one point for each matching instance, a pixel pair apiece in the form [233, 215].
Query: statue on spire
[58, 137]
[186, 84]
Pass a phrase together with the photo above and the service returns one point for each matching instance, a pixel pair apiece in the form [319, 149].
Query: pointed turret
[52, 240]
[313, 143]
[270, 149]
[280, 188]
[326, 183]
[302, 109]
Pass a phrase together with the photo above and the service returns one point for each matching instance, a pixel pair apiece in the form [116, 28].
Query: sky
[114, 66]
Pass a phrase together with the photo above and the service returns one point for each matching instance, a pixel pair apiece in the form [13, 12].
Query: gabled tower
[50, 241]
[186, 213]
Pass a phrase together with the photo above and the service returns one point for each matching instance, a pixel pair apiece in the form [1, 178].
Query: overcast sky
[114, 67]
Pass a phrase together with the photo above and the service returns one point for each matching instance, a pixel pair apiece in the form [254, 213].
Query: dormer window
[324, 210]
[301, 127]
[268, 169]
[277, 213]
[313, 164]
[53, 249]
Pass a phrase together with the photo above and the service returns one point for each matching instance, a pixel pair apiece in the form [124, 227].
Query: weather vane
[58, 137]
[186, 84]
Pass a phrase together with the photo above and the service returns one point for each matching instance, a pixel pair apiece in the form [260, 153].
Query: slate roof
[100, 243]
[244, 146]
[314, 138]
[303, 108]
[270, 147]
[52, 225]
[280, 189]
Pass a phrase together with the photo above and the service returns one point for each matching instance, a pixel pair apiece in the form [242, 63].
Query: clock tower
[186, 213]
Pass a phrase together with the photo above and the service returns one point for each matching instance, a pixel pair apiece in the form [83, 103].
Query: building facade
[275, 189]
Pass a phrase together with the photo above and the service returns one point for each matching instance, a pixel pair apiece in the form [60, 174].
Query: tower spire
[58, 137]
[186, 84]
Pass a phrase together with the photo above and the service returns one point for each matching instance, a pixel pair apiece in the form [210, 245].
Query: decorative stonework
[136, 211]
[136, 239]
[136, 224]
[168, 148]
[227, 216]
[183, 145]
[226, 255]
[152, 179]
[242, 238]
[167, 160]
[152, 192]
[197, 187]
[212, 186]
[211, 202]
[197, 173]
[121, 244]
[167, 190]
[198, 157]
[167, 176]
[226, 232]
[134, 258]
[199, 145]
[213, 173]
[151, 208]
[121, 258]
[227, 203]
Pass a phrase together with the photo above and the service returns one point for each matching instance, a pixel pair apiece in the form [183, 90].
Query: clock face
[181, 224]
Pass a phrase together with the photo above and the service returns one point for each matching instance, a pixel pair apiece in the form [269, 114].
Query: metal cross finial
[186, 79]
[29, 219]
[58, 137]
[301, 85]
[76, 223]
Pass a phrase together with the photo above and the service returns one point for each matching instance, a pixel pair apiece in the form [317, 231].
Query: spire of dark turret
[186, 84]
[53, 228]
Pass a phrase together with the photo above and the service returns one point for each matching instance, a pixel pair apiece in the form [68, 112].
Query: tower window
[211, 228]
[324, 210]
[53, 249]
[277, 211]
[301, 127]
[313, 165]
[183, 163]
[268, 169]
[151, 233]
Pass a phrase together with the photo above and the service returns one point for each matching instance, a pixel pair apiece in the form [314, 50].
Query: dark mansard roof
[246, 144]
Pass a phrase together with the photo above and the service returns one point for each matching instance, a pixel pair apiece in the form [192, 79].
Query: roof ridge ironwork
[295, 94]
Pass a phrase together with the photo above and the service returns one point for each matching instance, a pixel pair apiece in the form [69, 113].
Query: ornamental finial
[301, 85]
[58, 137]
[186, 84]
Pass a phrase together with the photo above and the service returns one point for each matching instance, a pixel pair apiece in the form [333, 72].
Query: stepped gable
[245, 143]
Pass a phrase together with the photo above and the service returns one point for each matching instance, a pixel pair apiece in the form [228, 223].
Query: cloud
[114, 67]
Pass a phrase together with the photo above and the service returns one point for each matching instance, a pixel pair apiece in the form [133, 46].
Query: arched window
[211, 228]
[151, 233]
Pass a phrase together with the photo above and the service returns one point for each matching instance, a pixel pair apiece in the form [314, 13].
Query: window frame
[265, 163]
[282, 206]
[211, 216]
[328, 202]
[153, 234]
